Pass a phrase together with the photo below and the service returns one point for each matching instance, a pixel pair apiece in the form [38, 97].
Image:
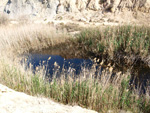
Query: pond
[54, 63]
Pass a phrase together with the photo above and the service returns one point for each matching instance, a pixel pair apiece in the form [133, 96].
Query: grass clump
[101, 93]
[127, 40]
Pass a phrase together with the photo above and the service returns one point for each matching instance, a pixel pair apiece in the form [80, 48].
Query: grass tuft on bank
[127, 40]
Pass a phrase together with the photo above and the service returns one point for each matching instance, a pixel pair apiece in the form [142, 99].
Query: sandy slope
[16, 102]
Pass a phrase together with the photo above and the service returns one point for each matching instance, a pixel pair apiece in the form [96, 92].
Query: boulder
[94, 5]
[81, 4]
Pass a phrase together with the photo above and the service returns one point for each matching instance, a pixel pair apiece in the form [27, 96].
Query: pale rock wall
[2, 5]
[142, 5]
[94, 4]
[49, 8]
[81, 4]
[31, 7]
[69, 5]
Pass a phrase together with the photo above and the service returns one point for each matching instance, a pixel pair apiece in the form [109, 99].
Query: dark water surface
[55, 62]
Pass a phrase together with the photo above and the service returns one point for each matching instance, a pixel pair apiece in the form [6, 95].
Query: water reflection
[53, 62]
[56, 63]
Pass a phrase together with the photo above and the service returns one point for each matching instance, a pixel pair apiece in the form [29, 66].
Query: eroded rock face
[142, 5]
[31, 7]
[49, 8]
[2, 5]
[94, 5]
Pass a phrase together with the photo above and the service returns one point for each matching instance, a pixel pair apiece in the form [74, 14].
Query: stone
[122, 111]
[91, 10]
[110, 111]
[2, 5]
[17, 8]
[128, 112]
[49, 8]
[94, 5]
[60, 9]
[81, 4]
[83, 20]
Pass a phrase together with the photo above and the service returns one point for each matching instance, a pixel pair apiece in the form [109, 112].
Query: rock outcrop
[2, 5]
[49, 8]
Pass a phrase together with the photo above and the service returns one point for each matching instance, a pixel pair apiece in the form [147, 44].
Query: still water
[53, 62]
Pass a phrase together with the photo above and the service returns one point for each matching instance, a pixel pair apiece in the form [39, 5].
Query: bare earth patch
[17, 102]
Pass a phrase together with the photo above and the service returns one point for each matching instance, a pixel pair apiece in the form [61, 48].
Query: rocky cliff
[49, 8]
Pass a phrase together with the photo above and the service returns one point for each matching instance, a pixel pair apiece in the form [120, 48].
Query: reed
[100, 91]
[19, 39]
[128, 40]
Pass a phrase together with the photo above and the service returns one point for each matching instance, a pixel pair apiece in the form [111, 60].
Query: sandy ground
[17, 102]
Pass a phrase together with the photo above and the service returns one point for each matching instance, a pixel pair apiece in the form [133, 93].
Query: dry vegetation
[22, 39]
[101, 92]
[124, 43]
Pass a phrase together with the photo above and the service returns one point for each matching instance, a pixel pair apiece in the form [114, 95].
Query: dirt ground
[17, 102]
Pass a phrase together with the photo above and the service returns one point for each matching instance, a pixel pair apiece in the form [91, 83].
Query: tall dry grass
[24, 38]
